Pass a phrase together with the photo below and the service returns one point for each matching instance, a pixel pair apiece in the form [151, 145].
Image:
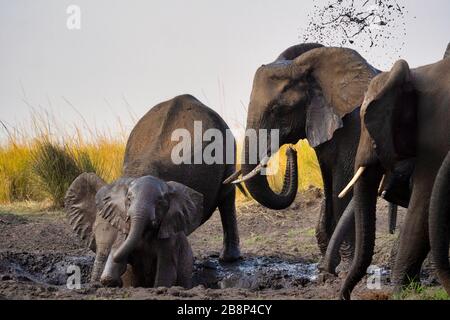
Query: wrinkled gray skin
[406, 114]
[148, 152]
[311, 92]
[439, 223]
[143, 223]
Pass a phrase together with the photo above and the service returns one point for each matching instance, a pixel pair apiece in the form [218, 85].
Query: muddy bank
[279, 248]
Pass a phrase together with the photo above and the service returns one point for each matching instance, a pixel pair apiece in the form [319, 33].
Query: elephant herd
[374, 133]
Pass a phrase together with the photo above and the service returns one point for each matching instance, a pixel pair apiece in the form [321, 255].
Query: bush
[56, 168]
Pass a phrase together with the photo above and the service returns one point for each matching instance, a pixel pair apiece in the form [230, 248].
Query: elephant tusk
[356, 177]
[254, 172]
[233, 177]
[380, 188]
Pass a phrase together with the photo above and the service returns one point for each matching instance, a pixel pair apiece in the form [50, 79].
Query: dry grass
[40, 164]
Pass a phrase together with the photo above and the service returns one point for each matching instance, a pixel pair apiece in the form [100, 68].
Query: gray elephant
[154, 243]
[149, 153]
[310, 92]
[405, 115]
[439, 222]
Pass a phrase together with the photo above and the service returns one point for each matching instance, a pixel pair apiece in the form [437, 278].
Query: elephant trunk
[138, 225]
[439, 223]
[365, 198]
[343, 228]
[259, 188]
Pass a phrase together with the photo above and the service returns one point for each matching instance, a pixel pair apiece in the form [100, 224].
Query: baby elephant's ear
[111, 203]
[79, 204]
[185, 211]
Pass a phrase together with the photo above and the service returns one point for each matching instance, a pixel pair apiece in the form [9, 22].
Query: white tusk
[232, 177]
[381, 184]
[356, 177]
[254, 172]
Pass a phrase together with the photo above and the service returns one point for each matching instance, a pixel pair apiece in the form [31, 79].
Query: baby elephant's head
[140, 209]
[152, 207]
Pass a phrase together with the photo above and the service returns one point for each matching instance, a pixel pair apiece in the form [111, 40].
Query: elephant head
[145, 208]
[113, 219]
[304, 94]
[388, 136]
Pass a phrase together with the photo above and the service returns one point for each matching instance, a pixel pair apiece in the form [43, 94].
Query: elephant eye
[161, 202]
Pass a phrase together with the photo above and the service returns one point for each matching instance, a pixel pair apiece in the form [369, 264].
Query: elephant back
[149, 147]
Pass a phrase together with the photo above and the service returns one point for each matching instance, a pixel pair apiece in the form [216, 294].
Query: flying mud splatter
[374, 27]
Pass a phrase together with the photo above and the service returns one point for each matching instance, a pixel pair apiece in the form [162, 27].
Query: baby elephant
[141, 223]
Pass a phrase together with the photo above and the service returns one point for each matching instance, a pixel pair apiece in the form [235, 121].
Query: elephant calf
[142, 223]
[156, 198]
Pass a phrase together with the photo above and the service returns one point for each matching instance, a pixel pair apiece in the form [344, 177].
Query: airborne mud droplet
[360, 24]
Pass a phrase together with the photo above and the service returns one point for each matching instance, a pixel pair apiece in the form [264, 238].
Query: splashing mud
[361, 24]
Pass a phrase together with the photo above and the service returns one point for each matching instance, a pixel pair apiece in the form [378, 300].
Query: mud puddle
[257, 273]
[48, 269]
[254, 273]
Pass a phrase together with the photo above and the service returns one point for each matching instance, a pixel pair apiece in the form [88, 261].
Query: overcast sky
[130, 55]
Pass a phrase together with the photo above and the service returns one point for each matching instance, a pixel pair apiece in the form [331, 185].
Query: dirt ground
[279, 249]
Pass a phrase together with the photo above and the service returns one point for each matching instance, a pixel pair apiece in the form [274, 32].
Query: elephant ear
[339, 78]
[111, 204]
[389, 114]
[185, 211]
[447, 52]
[79, 204]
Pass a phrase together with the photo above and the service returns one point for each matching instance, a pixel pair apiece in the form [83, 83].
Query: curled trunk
[134, 237]
[439, 223]
[259, 187]
[365, 197]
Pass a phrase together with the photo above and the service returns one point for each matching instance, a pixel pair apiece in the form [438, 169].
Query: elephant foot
[343, 268]
[324, 277]
[230, 254]
[111, 282]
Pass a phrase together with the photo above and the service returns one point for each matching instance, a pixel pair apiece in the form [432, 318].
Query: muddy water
[255, 273]
[49, 268]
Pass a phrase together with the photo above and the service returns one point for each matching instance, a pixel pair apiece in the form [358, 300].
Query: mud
[279, 249]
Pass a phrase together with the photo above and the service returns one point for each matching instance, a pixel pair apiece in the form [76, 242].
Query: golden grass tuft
[40, 165]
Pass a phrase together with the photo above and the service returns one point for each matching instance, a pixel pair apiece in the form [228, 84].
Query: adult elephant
[405, 114]
[149, 153]
[309, 92]
[439, 223]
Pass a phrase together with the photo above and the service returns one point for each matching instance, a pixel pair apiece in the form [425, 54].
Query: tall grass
[41, 165]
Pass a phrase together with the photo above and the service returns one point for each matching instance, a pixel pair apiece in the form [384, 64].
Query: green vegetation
[40, 165]
[417, 291]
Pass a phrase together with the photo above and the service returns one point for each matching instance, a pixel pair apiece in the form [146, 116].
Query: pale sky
[130, 55]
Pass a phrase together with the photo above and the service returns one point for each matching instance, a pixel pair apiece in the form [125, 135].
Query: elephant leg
[100, 260]
[231, 251]
[324, 228]
[414, 243]
[166, 264]
[347, 247]
[185, 263]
